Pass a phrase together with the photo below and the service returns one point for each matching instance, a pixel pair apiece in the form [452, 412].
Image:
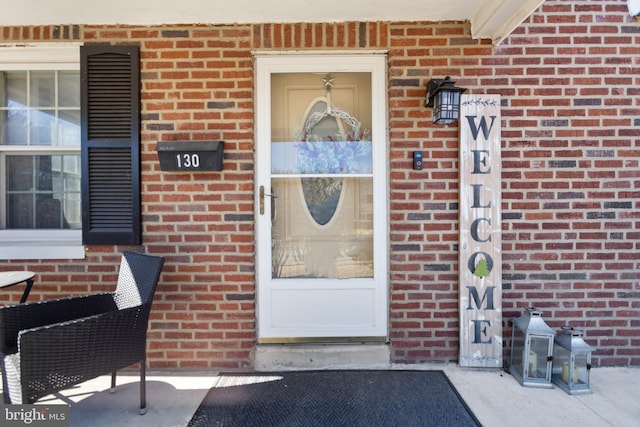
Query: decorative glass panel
[321, 197]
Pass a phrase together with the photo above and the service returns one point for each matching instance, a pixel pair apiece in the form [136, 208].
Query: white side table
[10, 278]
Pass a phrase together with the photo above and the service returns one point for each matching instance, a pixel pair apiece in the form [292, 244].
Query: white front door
[321, 198]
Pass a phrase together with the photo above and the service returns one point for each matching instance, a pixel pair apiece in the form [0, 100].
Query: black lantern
[444, 97]
[531, 350]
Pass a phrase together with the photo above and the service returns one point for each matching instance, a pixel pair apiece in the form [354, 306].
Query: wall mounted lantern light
[444, 97]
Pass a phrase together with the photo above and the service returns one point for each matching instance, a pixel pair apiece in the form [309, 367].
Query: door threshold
[323, 340]
[306, 356]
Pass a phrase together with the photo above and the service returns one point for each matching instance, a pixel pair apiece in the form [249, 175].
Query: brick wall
[569, 79]
[571, 189]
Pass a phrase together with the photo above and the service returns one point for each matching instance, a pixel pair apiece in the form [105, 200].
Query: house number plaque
[190, 156]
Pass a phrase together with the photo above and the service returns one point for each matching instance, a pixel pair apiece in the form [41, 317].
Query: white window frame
[40, 244]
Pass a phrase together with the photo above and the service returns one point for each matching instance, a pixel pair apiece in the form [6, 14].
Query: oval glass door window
[322, 197]
[321, 154]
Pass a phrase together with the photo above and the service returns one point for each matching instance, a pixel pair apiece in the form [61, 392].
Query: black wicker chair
[48, 346]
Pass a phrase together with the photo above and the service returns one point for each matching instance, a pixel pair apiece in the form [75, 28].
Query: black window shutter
[110, 105]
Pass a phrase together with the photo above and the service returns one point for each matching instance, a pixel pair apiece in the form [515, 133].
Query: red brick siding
[569, 78]
[571, 173]
[198, 85]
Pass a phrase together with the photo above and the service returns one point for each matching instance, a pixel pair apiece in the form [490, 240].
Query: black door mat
[334, 398]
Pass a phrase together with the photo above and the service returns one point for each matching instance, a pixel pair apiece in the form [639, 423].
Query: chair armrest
[81, 349]
[15, 318]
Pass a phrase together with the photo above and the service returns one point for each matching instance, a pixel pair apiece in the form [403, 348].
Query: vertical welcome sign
[480, 239]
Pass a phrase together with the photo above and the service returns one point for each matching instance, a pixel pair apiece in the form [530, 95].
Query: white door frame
[267, 64]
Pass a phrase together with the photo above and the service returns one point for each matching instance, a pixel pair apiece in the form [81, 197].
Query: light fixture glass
[444, 97]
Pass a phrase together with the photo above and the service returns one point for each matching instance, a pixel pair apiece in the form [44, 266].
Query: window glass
[15, 89]
[322, 174]
[69, 89]
[42, 87]
[40, 133]
[68, 128]
[43, 191]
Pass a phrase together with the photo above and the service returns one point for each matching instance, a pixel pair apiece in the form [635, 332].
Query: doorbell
[417, 160]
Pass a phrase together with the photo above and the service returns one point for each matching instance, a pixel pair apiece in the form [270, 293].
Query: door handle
[262, 194]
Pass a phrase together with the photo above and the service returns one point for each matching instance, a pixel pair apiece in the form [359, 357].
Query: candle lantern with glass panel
[531, 350]
[571, 361]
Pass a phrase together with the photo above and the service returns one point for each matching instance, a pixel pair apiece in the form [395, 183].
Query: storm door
[321, 198]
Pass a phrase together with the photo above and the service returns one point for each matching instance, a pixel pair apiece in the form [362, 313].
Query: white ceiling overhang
[490, 19]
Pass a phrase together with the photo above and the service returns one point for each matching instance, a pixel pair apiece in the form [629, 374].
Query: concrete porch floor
[495, 397]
